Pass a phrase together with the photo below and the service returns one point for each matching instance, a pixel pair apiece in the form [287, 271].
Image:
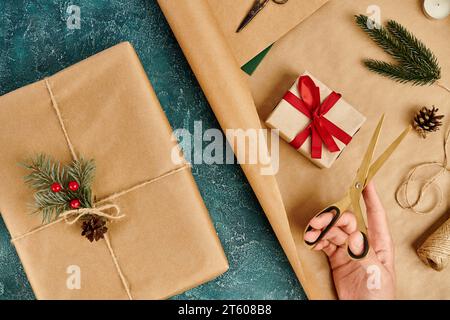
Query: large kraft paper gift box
[166, 243]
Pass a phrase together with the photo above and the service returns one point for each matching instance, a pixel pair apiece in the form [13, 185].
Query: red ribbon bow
[320, 129]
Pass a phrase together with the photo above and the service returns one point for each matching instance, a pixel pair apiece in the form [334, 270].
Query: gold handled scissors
[257, 7]
[364, 175]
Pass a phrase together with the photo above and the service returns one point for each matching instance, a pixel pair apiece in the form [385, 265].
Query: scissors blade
[355, 196]
[386, 155]
[363, 171]
[257, 7]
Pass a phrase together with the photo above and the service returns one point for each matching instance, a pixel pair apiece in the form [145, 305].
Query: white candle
[437, 9]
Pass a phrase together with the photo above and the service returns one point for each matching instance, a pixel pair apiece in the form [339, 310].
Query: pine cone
[94, 228]
[427, 120]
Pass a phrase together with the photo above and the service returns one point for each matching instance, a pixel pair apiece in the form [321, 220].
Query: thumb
[378, 228]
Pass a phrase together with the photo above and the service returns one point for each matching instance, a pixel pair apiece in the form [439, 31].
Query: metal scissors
[351, 200]
[257, 7]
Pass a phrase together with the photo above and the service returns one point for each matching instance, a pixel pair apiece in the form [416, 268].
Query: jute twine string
[435, 251]
[403, 189]
[70, 217]
[443, 86]
[73, 216]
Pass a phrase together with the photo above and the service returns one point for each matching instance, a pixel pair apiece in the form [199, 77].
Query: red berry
[56, 187]
[75, 204]
[73, 186]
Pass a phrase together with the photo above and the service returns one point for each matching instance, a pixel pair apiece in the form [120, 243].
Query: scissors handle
[365, 249]
[337, 212]
[258, 5]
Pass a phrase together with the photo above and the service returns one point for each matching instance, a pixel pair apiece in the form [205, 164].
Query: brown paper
[290, 122]
[166, 244]
[268, 26]
[330, 46]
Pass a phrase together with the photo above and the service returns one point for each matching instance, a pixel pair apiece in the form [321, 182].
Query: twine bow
[72, 216]
[320, 128]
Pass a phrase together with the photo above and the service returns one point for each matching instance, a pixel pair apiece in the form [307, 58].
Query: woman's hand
[369, 278]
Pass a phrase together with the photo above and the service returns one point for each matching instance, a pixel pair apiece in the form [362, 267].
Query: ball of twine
[435, 251]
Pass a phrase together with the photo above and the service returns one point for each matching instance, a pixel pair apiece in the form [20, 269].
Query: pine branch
[397, 73]
[419, 53]
[416, 63]
[83, 172]
[45, 172]
[381, 37]
[50, 206]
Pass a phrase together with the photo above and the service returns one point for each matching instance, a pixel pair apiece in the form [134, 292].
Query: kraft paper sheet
[330, 46]
[166, 244]
[268, 26]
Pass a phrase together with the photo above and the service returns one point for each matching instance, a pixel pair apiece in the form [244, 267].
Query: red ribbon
[320, 129]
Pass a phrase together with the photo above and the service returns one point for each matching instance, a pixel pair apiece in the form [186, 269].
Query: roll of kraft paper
[435, 251]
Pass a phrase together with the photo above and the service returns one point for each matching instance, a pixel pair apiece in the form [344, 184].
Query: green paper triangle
[251, 66]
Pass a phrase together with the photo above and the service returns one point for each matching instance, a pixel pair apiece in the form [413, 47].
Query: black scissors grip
[327, 228]
[365, 251]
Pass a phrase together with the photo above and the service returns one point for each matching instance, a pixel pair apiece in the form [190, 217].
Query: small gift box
[316, 121]
[145, 233]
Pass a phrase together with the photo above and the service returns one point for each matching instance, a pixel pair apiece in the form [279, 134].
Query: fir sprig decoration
[44, 172]
[415, 63]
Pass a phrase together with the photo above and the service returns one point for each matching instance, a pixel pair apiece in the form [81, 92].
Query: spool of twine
[435, 251]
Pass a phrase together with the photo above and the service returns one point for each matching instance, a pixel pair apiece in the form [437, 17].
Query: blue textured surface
[35, 42]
